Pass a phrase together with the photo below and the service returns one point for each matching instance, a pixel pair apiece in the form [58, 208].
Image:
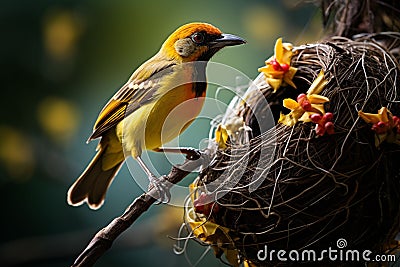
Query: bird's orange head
[197, 41]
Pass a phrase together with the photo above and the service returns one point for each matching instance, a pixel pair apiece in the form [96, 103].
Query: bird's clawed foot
[191, 153]
[162, 191]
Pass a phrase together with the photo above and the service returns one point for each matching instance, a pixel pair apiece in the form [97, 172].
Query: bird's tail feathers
[92, 185]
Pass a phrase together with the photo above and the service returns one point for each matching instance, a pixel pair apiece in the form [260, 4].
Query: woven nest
[312, 190]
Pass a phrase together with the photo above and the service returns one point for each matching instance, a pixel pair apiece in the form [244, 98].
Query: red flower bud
[300, 97]
[285, 67]
[304, 102]
[306, 105]
[329, 127]
[328, 116]
[396, 123]
[320, 130]
[396, 120]
[380, 124]
[199, 203]
[380, 127]
[275, 64]
[203, 205]
[316, 118]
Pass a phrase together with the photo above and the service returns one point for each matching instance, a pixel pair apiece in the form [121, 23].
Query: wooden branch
[104, 239]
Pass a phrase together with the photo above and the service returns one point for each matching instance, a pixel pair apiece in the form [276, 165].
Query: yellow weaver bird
[157, 103]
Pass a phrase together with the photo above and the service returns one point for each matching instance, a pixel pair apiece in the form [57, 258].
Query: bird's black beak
[227, 40]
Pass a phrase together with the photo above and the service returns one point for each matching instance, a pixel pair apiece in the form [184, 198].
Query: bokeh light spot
[59, 118]
[16, 154]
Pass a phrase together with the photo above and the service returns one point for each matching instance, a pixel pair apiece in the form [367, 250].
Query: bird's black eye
[198, 38]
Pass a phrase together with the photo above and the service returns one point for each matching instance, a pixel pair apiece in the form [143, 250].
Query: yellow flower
[277, 68]
[381, 116]
[306, 104]
[384, 124]
[221, 136]
[232, 132]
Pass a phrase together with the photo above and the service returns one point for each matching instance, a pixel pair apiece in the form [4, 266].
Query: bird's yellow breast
[159, 122]
[171, 115]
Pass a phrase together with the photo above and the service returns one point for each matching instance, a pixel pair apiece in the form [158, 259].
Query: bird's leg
[190, 152]
[163, 191]
[149, 174]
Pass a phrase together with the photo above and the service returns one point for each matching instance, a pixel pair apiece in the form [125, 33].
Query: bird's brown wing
[132, 95]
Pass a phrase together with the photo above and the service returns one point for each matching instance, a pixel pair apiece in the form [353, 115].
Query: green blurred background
[61, 61]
